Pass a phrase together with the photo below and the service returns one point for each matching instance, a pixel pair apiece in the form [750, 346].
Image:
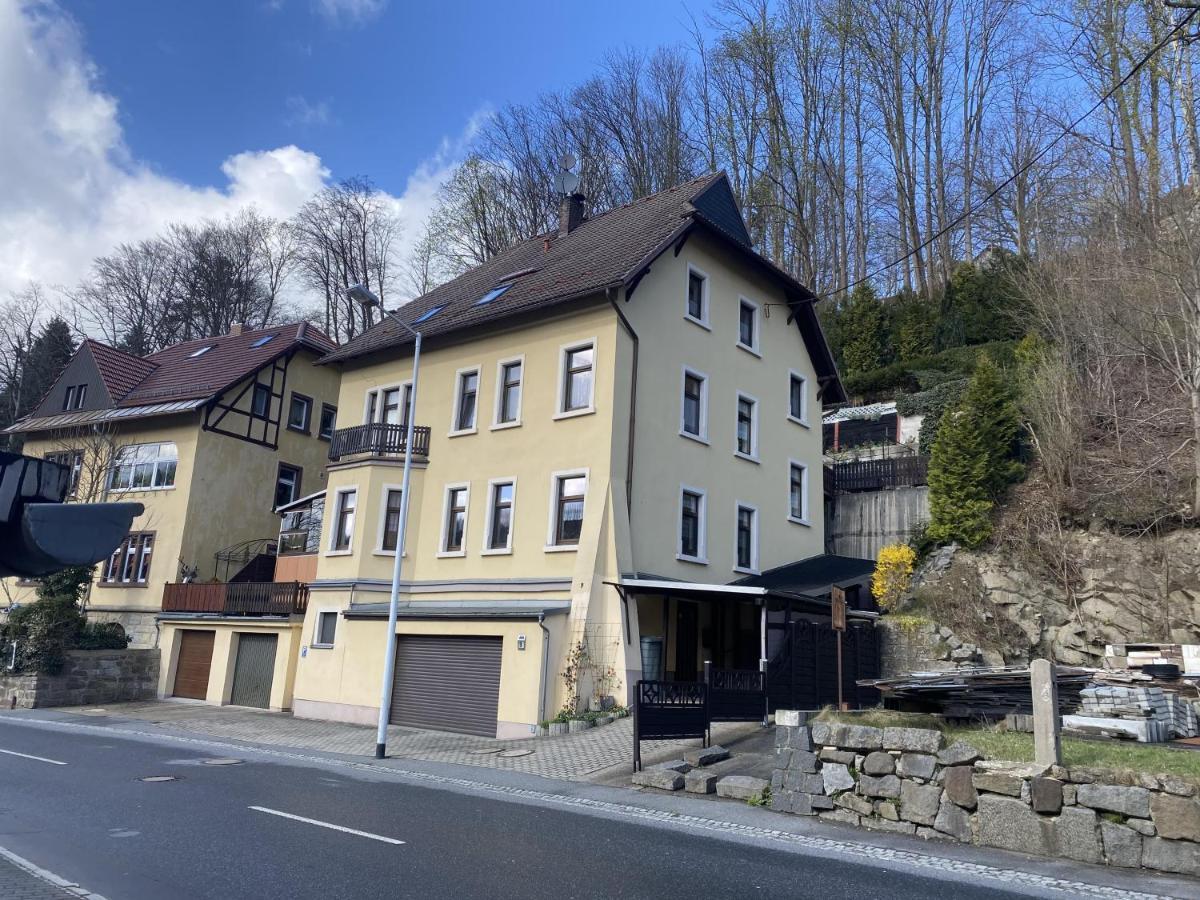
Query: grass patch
[881, 718]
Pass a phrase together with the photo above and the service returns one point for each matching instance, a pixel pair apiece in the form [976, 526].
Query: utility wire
[975, 207]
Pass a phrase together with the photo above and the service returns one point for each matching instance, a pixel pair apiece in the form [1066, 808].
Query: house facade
[617, 430]
[210, 436]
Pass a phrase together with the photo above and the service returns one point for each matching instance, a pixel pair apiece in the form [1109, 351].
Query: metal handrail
[377, 438]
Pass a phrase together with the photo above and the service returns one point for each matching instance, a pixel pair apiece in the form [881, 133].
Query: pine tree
[991, 401]
[863, 332]
[48, 356]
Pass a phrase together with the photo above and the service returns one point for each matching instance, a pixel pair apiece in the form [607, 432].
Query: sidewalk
[572, 757]
[24, 881]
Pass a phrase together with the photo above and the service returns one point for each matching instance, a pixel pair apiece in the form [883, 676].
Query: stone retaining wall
[89, 677]
[906, 780]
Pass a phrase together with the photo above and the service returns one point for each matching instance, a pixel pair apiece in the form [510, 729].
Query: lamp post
[365, 298]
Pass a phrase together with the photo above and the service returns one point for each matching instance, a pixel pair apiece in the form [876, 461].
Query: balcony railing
[878, 474]
[273, 598]
[377, 439]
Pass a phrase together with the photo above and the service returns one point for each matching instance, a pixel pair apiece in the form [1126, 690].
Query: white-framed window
[260, 401]
[797, 492]
[746, 434]
[693, 538]
[300, 413]
[568, 496]
[696, 298]
[388, 404]
[76, 396]
[345, 508]
[797, 398]
[745, 541]
[328, 421]
[287, 484]
[466, 400]
[576, 379]
[748, 325]
[502, 496]
[325, 631]
[693, 405]
[130, 562]
[510, 375]
[144, 467]
[454, 519]
[389, 519]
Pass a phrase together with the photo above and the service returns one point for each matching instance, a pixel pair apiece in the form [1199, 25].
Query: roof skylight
[429, 314]
[492, 295]
[201, 351]
[262, 341]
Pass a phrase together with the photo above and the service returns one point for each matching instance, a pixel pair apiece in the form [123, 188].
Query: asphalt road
[228, 831]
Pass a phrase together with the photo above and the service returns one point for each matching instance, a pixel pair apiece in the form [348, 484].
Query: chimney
[235, 330]
[570, 213]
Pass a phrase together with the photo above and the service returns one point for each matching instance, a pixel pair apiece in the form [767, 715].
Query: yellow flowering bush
[893, 572]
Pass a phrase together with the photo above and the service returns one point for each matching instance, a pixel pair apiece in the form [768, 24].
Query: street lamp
[365, 298]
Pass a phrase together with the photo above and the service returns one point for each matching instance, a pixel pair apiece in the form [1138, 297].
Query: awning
[694, 590]
[462, 609]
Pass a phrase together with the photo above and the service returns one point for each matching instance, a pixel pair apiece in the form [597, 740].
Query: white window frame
[701, 528]
[552, 523]
[459, 377]
[383, 495]
[561, 398]
[703, 322]
[443, 553]
[804, 519]
[702, 437]
[754, 559]
[379, 390]
[497, 425]
[315, 643]
[335, 515]
[506, 550]
[803, 420]
[755, 347]
[755, 416]
[135, 489]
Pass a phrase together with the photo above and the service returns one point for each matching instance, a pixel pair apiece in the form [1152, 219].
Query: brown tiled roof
[121, 371]
[177, 375]
[612, 249]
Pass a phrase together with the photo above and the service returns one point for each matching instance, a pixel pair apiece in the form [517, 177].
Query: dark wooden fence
[377, 438]
[669, 710]
[272, 598]
[803, 674]
[877, 474]
[736, 695]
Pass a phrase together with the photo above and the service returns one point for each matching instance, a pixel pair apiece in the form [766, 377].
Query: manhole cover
[222, 761]
[154, 779]
[484, 751]
[510, 754]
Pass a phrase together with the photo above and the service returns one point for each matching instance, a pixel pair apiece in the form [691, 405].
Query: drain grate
[154, 779]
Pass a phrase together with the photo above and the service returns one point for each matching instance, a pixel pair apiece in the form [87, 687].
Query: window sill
[573, 413]
[122, 584]
[451, 554]
[346, 552]
[753, 351]
[695, 560]
[501, 426]
[141, 490]
[462, 431]
[746, 456]
[795, 521]
[560, 548]
[702, 323]
[496, 551]
[320, 646]
[379, 551]
[743, 571]
[303, 431]
[803, 423]
[694, 437]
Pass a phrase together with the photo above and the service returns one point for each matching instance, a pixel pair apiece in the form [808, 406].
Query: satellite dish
[566, 183]
[567, 161]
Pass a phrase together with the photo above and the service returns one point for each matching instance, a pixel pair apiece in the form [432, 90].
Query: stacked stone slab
[907, 781]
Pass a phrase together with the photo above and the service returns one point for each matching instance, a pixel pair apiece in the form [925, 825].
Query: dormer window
[201, 351]
[75, 397]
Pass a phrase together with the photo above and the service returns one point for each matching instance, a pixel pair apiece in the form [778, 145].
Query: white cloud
[300, 111]
[351, 12]
[71, 190]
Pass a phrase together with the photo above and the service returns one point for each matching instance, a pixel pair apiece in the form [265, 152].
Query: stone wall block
[837, 778]
[1075, 835]
[1176, 817]
[1046, 795]
[996, 783]
[886, 786]
[1129, 801]
[953, 820]
[861, 737]
[1011, 825]
[1122, 846]
[914, 740]
[1182, 857]
[879, 763]
[960, 787]
[916, 765]
[919, 802]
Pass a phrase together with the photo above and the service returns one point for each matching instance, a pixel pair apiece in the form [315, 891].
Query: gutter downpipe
[545, 665]
[632, 401]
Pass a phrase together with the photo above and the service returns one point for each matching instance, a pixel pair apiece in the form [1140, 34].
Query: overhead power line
[1193, 8]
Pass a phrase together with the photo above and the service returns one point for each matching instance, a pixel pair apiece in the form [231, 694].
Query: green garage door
[254, 670]
[447, 683]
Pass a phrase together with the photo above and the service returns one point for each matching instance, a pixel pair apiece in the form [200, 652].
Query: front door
[687, 635]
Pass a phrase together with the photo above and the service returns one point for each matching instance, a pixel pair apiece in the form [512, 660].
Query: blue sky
[371, 88]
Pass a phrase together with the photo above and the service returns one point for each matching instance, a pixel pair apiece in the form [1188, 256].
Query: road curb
[48, 877]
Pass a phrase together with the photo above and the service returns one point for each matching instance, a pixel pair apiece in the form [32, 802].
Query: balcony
[377, 439]
[271, 598]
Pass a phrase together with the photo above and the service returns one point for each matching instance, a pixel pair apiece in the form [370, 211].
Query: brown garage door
[195, 659]
[447, 683]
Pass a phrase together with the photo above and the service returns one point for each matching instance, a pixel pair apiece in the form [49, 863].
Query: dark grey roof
[812, 576]
[611, 250]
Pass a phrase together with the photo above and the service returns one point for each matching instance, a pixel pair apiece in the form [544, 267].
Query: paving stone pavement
[17, 883]
[570, 757]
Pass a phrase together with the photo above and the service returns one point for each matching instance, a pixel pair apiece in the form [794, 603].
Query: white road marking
[53, 762]
[343, 828]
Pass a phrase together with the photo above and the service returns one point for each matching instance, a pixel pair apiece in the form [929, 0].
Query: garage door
[254, 670]
[447, 683]
[195, 659]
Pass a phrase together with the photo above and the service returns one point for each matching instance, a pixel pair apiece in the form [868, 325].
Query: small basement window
[492, 295]
[263, 341]
[429, 314]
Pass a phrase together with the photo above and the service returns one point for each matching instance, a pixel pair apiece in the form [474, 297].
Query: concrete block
[700, 782]
[663, 779]
[706, 756]
[740, 787]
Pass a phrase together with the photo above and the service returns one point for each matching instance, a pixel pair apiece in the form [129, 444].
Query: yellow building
[210, 436]
[617, 456]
